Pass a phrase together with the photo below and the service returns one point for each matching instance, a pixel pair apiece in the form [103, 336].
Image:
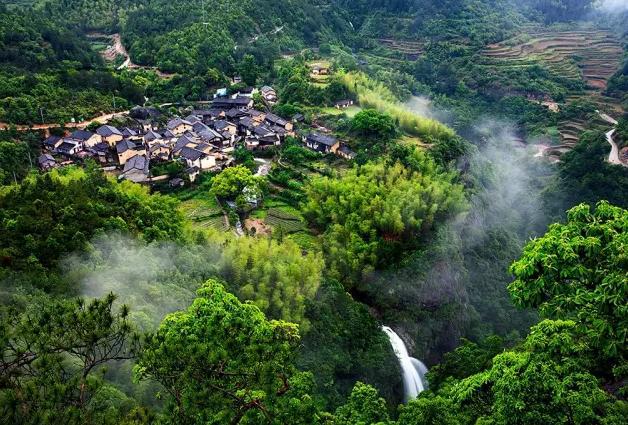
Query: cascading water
[413, 370]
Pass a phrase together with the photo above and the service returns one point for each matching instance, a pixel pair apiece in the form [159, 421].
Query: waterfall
[413, 370]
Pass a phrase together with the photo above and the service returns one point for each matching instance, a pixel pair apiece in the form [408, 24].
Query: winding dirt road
[613, 157]
[102, 119]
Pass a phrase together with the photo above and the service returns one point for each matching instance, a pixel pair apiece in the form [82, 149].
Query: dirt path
[116, 48]
[613, 156]
[102, 119]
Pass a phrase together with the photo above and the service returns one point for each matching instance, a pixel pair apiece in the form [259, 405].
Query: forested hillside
[49, 73]
[326, 212]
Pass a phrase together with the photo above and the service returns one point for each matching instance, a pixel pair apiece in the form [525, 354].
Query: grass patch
[204, 212]
[372, 94]
[406, 139]
[306, 241]
[350, 112]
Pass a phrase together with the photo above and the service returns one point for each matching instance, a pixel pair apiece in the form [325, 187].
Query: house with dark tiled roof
[247, 124]
[276, 120]
[246, 92]
[192, 173]
[204, 147]
[151, 135]
[127, 149]
[101, 152]
[69, 147]
[109, 134]
[342, 104]
[210, 136]
[84, 138]
[129, 132]
[262, 137]
[183, 141]
[197, 158]
[136, 169]
[179, 126]
[226, 103]
[321, 142]
[269, 94]
[169, 135]
[176, 182]
[160, 151]
[345, 152]
[256, 115]
[199, 126]
[46, 162]
[192, 119]
[223, 125]
[234, 114]
[51, 143]
[208, 115]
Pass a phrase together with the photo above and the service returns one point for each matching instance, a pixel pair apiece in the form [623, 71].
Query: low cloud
[423, 106]
[613, 6]
[154, 279]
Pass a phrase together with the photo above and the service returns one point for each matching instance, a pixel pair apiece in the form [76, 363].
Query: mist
[152, 279]
[456, 286]
[423, 105]
[613, 6]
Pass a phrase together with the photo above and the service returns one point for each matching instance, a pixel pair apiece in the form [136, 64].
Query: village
[203, 141]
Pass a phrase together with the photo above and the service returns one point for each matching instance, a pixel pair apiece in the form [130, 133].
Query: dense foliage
[52, 355]
[50, 215]
[585, 175]
[49, 73]
[223, 327]
[376, 211]
[577, 271]
[220, 361]
[232, 182]
[275, 276]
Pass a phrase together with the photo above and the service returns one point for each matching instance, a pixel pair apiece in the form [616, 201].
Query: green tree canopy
[278, 278]
[363, 407]
[579, 271]
[220, 361]
[50, 215]
[374, 125]
[375, 211]
[15, 161]
[230, 183]
[52, 353]
[545, 383]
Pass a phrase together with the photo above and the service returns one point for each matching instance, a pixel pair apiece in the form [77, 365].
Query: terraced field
[582, 54]
[586, 54]
[410, 49]
[569, 132]
[287, 222]
[204, 213]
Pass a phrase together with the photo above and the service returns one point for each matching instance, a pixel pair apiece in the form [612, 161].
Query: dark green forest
[506, 274]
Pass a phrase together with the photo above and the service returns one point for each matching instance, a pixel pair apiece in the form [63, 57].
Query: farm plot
[409, 49]
[590, 55]
[287, 222]
[203, 213]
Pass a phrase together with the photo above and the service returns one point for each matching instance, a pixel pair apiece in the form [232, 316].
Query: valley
[325, 213]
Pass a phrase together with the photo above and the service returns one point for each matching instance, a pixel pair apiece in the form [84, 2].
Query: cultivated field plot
[204, 214]
[587, 54]
[287, 222]
[410, 49]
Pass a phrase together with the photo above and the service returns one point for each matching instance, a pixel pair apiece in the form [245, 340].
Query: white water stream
[413, 370]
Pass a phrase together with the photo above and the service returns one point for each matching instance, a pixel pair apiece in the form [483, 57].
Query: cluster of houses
[203, 140]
